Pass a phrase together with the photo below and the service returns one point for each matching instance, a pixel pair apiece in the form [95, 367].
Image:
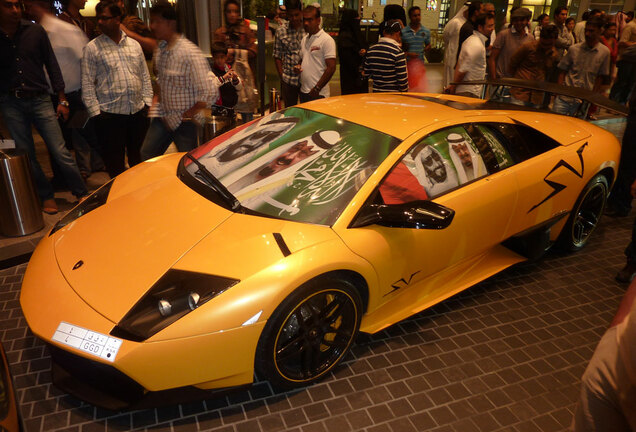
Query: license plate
[93, 343]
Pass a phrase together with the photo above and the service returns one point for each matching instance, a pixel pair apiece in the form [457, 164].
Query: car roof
[395, 114]
[402, 114]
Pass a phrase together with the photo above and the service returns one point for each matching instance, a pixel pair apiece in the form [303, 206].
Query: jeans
[565, 107]
[159, 137]
[514, 101]
[19, 115]
[246, 116]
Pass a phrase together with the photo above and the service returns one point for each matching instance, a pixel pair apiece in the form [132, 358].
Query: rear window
[522, 142]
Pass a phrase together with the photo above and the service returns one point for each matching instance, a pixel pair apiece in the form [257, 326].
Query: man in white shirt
[318, 58]
[471, 65]
[116, 88]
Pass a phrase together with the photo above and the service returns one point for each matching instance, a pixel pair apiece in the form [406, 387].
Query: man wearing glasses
[116, 88]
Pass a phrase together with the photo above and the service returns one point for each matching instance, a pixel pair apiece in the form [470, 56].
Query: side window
[501, 158]
[536, 142]
[495, 155]
[522, 142]
[439, 163]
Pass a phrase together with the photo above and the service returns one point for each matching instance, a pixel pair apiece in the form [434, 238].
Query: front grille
[94, 382]
[105, 386]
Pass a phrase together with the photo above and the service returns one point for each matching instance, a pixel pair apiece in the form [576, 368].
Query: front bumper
[105, 386]
[208, 361]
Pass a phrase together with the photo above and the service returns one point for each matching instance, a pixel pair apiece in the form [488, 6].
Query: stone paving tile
[504, 355]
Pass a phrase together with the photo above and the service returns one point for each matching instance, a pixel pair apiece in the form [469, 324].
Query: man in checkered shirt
[287, 52]
[115, 89]
[185, 89]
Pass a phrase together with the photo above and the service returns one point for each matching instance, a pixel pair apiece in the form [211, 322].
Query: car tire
[585, 215]
[309, 333]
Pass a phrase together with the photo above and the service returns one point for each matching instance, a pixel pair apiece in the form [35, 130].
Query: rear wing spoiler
[495, 88]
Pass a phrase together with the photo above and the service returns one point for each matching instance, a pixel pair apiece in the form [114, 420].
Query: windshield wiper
[215, 183]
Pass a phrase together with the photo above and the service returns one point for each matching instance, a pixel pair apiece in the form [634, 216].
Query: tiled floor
[506, 354]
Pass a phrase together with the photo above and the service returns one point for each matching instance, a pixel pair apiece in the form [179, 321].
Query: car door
[450, 168]
[549, 176]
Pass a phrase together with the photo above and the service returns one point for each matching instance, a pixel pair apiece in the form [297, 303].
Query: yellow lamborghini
[269, 248]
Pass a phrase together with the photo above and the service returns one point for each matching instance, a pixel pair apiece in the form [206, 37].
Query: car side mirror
[414, 214]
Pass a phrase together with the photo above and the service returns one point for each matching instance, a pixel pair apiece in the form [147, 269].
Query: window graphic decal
[296, 164]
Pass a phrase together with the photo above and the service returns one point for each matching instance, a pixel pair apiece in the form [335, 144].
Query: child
[226, 79]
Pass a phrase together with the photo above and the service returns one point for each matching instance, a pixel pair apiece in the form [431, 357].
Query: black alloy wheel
[585, 215]
[309, 333]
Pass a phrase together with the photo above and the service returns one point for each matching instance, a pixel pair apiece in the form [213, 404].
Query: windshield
[294, 164]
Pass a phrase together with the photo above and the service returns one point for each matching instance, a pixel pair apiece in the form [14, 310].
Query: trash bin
[20, 211]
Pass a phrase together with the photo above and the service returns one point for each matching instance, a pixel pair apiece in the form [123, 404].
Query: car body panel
[114, 277]
[393, 114]
[149, 172]
[140, 361]
[565, 130]
[214, 331]
[408, 298]
[154, 222]
[412, 254]
[260, 293]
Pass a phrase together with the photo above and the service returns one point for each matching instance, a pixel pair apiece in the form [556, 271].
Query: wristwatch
[64, 103]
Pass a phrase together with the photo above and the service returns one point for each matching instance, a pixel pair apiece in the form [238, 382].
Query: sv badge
[401, 283]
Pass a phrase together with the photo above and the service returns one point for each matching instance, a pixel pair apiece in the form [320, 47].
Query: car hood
[112, 255]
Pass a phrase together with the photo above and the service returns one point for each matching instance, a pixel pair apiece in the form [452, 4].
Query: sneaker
[627, 273]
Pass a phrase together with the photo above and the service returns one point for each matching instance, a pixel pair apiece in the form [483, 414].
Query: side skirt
[439, 287]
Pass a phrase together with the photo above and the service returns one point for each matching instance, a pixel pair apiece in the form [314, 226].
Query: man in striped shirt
[185, 89]
[386, 63]
[115, 89]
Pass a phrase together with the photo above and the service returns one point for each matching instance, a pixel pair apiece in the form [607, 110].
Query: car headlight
[94, 200]
[176, 294]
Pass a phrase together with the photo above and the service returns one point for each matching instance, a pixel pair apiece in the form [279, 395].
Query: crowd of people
[90, 87]
[593, 54]
[118, 92]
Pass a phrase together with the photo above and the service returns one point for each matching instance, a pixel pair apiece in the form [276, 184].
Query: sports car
[269, 248]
